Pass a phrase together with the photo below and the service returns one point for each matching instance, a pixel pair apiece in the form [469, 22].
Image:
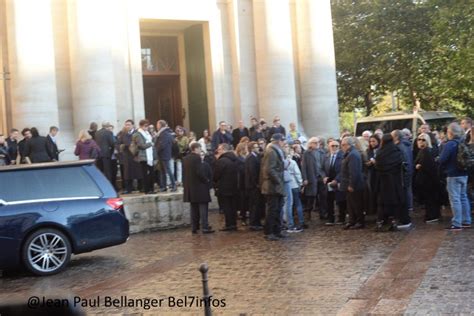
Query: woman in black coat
[374, 145]
[427, 179]
[389, 185]
[37, 149]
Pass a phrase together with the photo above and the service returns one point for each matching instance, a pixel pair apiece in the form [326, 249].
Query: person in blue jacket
[456, 180]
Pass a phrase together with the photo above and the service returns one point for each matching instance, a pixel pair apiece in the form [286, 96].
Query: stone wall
[158, 211]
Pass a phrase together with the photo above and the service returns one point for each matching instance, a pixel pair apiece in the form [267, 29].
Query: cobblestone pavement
[323, 270]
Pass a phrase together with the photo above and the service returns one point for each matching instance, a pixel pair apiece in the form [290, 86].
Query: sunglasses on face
[421, 139]
[335, 146]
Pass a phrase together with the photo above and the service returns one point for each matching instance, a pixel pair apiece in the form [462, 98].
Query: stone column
[243, 59]
[274, 60]
[317, 68]
[92, 63]
[32, 66]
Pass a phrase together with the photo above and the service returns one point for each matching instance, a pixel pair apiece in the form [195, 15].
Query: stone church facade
[192, 62]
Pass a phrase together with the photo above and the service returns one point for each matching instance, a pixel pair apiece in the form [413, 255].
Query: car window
[34, 184]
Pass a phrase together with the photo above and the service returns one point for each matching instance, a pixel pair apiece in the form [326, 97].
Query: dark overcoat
[252, 172]
[196, 179]
[226, 175]
[105, 140]
[37, 149]
[309, 171]
[351, 171]
[389, 187]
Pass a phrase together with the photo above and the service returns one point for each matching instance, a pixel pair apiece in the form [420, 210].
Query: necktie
[332, 160]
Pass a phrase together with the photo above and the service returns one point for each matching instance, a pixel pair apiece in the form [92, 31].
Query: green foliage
[418, 48]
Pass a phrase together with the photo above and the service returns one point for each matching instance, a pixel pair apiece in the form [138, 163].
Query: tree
[423, 49]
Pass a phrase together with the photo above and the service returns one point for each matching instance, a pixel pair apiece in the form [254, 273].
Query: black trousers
[402, 213]
[273, 209]
[243, 204]
[322, 198]
[105, 165]
[147, 175]
[229, 206]
[342, 206]
[255, 207]
[114, 170]
[199, 213]
[430, 198]
[386, 212]
[309, 205]
[355, 201]
[122, 176]
[331, 199]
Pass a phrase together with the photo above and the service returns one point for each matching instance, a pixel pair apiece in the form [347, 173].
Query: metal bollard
[205, 288]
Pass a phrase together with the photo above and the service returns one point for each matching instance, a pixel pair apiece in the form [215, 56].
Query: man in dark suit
[105, 140]
[352, 182]
[238, 133]
[51, 138]
[276, 128]
[332, 167]
[20, 159]
[226, 184]
[36, 148]
[252, 172]
[221, 136]
[196, 184]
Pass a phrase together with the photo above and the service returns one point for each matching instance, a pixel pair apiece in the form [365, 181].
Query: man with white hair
[312, 171]
[456, 183]
[366, 135]
[407, 134]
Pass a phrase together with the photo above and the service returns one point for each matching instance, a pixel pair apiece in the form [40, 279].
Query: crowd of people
[266, 174]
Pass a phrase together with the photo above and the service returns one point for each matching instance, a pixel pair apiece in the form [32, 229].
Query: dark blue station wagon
[52, 210]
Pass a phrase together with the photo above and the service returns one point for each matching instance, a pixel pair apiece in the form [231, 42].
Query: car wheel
[46, 252]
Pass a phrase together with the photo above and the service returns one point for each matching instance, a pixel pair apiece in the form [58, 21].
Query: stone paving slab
[322, 271]
[448, 285]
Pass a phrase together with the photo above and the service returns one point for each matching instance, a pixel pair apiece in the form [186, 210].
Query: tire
[46, 252]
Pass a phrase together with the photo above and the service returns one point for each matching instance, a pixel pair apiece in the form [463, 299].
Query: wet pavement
[323, 270]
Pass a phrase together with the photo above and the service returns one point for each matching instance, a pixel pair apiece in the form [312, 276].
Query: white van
[400, 120]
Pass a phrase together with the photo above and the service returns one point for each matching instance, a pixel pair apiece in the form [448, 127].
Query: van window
[385, 125]
[440, 123]
[35, 184]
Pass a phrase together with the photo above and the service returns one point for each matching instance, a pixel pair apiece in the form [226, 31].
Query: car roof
[48, 165]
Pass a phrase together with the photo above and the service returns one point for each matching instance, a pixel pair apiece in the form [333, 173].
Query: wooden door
[163, 99]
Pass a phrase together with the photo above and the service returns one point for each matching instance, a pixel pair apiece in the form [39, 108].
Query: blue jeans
[457, 190]
[293, 199]
[165, 168]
